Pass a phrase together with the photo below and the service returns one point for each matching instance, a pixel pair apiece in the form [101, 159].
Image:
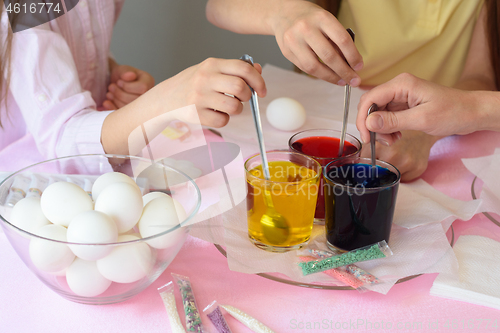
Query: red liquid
[328, 149]
[323, 146]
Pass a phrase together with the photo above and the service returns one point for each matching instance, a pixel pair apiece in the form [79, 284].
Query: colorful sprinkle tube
[340, 275]
[375, 251]
[167, 295]
[353, 271]
[215, 315]
[193, 319]
[248, 321]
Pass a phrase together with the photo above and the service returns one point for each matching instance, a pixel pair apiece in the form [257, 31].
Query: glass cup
[359, 202]
[323, 146]
[281, 210]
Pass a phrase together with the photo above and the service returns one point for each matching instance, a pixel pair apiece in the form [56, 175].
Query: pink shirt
[59, 76]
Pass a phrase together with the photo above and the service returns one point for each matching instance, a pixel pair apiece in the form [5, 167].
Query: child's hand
[216, 86]
[127, 83]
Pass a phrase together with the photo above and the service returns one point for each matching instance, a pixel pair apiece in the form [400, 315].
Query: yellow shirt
[427, 38]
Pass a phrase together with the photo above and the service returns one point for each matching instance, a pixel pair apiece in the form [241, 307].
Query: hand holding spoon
[274, 225]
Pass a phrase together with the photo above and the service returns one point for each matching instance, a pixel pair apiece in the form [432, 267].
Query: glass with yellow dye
[281, 209]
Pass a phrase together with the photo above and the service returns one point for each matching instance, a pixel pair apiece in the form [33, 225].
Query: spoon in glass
[347, 99]
[373, 137]
[274, 225]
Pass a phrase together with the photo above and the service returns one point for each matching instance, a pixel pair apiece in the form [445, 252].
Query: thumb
[386, 121]
[128, 76]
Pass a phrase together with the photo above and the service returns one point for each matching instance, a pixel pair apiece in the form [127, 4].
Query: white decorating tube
[37, 185]
[18, 190]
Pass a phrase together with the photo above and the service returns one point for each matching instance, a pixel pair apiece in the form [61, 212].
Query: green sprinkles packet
[370, 252]
[193, 318]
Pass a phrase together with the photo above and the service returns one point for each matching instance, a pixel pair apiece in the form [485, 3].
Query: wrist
[485, 106]
[112, 63]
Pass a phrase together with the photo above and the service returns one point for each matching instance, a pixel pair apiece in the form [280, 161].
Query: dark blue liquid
[362, 214]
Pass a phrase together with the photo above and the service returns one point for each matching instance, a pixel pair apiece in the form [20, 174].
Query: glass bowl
[132, 263]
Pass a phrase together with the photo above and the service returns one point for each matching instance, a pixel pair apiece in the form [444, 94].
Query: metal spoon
[373, 137]
[347, 99]
[274, 225]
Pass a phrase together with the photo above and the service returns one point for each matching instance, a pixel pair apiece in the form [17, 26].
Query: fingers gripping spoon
[274, 225]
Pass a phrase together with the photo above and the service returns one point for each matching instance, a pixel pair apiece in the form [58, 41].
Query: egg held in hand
[159, 215]
[286, 114]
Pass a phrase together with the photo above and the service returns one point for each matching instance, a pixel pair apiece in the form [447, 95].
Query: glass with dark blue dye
[359, 202]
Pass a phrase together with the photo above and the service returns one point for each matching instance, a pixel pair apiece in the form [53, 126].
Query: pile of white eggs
[115, 212]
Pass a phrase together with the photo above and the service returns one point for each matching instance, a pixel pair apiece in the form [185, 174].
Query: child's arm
[304, 31]
[209, 86]
[127, 83]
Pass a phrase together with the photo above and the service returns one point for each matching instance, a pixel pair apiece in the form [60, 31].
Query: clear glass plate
[322, 286]
[475, 188]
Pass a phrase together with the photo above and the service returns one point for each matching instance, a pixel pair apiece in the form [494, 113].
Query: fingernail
[358, 67]
[119, 83]
[375, 122]
[341, 83]
[355, 82]
[399, 135]
[112, 88]
[383, 142]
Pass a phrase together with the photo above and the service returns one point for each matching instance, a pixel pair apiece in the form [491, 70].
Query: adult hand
[307, 33]
[409, 103]
[409, 155]
[216, 86]
[127, 84]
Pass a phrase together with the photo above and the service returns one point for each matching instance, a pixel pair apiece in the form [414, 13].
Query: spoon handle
[254, 106]
[347, 99]
[373, 135]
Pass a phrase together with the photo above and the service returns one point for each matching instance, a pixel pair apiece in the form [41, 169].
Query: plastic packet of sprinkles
[193, 318]
[351, 275]
[370, 252]
[339, 274]
[215, 315]
[167, 295]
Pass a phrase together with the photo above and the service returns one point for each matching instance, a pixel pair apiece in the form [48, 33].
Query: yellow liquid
[294, 197]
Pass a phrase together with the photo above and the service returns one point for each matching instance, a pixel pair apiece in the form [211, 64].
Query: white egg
[62, 201]
[152, 195]
[159, 215]
[84, 279]
[107, 179]
[92, 227]
[123, 203]
[47, 255]
[27, 215]
[128, 262]
[286, 114]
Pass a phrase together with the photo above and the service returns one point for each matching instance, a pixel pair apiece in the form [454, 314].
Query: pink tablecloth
[26, 305]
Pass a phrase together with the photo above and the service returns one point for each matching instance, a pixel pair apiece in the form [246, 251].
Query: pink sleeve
[45, 85]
